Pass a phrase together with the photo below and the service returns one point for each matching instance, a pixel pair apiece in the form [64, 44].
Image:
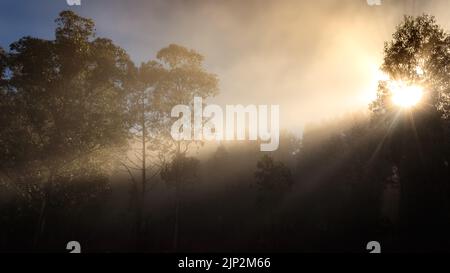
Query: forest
[86, 155]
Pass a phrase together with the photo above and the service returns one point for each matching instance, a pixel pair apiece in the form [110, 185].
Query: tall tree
[183, 77]
[418, 54]
[143, 156]
[66, 103]
[175, 77]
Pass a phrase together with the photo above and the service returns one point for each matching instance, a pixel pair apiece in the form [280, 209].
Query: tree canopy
[66, 96]
[419, 53]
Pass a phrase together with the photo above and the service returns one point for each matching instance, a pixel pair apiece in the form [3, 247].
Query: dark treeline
[86, 155]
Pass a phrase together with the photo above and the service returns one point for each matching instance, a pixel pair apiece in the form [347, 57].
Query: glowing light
[381, 76]
[370, 93]
[419, 70]
[405, 95]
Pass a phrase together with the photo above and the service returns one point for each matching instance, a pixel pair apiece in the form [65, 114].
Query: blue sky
[20, 18]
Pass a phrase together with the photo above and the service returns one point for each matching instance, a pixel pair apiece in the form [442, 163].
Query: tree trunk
[43, 212]
[177, 220]
[141, 196]
[177, 203]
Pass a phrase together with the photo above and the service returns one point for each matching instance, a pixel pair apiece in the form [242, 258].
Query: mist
[298, 54]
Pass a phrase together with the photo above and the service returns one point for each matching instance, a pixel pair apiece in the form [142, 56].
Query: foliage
[418, 53]
[180, 171]
[272, 175]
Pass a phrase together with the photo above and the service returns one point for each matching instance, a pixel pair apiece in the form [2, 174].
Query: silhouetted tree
[416, 140]
[418, 54]
[65, 105]
[144, 155]
[273, 178]
[178, 173]
[181, 78]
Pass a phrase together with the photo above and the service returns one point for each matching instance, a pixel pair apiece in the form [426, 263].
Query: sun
[405, 95]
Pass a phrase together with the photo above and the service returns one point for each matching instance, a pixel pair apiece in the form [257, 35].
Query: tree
[182, 77]
[142, 156]
[178, 173]
[419, 53]
[273, 178]
[175, 77]
[65, 104]
[416, 140]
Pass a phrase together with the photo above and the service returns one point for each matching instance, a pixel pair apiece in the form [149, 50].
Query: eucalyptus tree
[63, 106]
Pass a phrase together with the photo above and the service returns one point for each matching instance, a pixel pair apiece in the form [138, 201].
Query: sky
[317, 59]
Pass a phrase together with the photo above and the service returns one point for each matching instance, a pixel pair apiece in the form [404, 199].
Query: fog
[316, 59]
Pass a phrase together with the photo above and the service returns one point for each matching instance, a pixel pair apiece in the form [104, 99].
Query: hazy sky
[316, 59]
